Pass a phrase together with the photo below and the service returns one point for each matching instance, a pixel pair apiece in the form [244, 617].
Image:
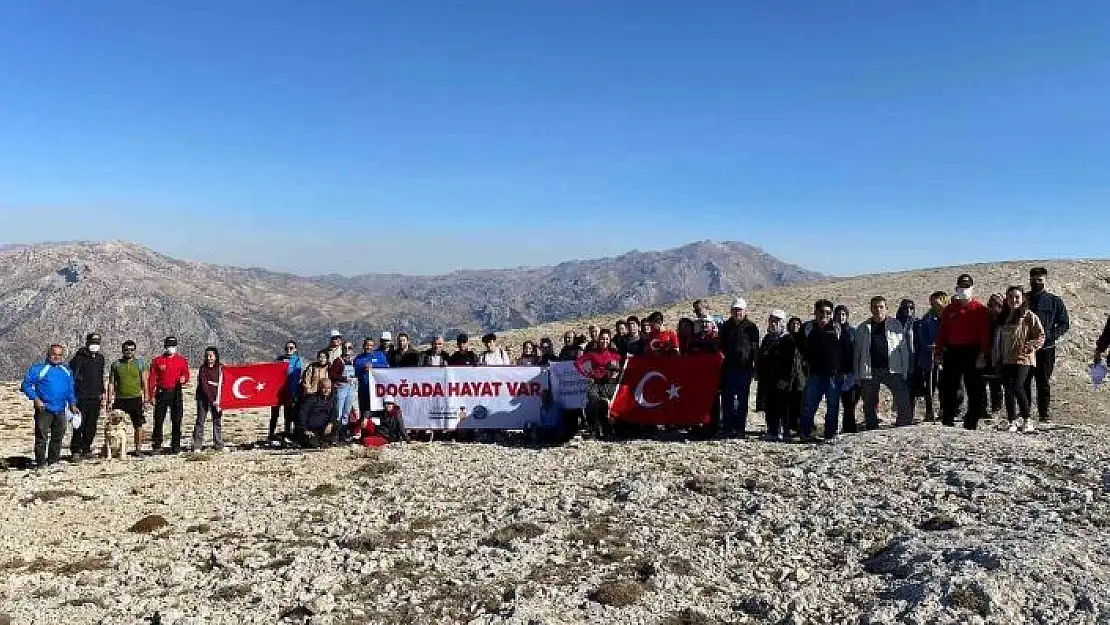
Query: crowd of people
[961, 352]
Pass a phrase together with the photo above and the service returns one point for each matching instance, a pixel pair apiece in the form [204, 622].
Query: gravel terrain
[912, 525]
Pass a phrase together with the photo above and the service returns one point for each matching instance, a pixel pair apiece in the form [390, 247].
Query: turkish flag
[253, 386]
[668, 390]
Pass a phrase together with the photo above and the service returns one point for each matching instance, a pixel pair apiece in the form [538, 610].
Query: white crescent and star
[235, 390]
[672, 392]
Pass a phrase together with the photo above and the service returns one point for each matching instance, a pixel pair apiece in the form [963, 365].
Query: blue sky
[422, 137]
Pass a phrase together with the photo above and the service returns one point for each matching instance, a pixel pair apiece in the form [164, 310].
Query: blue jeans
[818, 386]
[736, 385]
[344, 401]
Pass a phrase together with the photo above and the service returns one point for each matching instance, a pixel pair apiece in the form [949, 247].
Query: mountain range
[57, 292]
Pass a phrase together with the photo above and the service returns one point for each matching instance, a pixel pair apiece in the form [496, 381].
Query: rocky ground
[912, 525]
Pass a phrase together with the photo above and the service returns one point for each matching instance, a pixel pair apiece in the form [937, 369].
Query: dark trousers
[1042, 375]
[959, 366]
[776, 407]
[82, 440]
[994, 388]
[736, 386]
[173, 402]
[50, 428]
[1015, 377]
[849, 399]
[794, 404]
[290, 416]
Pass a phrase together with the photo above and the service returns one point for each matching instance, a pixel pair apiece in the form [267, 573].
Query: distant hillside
[60, 291]
[507, 298]
[1084, 285]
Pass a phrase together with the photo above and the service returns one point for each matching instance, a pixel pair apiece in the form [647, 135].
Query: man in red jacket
[963, 348]
[168, 374]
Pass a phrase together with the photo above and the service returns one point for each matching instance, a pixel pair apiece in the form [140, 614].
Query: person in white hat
[779, 366]
[739, 343]
[335, 345]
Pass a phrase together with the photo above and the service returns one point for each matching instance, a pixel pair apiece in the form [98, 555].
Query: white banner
[568, 385]
[449, 398]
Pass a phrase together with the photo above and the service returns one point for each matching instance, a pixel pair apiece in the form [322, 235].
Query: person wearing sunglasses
[828, 353]
[290, 394]
[127, 389]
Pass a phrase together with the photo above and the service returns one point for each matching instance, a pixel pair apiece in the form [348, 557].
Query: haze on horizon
[366, 137]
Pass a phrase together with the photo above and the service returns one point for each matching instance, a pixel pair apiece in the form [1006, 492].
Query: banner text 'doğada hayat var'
[448, 398]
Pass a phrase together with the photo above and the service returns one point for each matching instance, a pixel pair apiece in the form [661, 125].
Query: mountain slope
[58, 292]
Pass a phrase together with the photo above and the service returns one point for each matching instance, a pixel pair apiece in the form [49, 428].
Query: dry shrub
[681, 566]
[56, 494]
[375, 467]
[202, 528]
[325, 490]
[197, 456]
[91, 563]
[504, 537]
[601, 530]
[234, 591]
[619, 593]
[149, 524]
[81, 601]
[689, 616]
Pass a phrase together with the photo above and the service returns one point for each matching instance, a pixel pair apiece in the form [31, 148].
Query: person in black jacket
[319, 419]
[828, 353]
[779, 370]
[850, 391]
[739, 343]
[1054, 317]
[87, 366]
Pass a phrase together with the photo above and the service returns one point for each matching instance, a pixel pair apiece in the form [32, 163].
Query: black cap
[462, 338]
[489, 337]
[92, 338]
[171, 341]
[965, 281]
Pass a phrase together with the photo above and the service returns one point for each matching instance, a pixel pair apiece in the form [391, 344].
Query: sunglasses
[824, 311]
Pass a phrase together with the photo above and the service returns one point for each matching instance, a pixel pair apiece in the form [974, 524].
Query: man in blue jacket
[370, 358]
[49, 384]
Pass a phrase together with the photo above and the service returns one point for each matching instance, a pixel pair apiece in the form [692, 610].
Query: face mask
[94, 348]
[171, 350]
[1036, 287]
[962, 294]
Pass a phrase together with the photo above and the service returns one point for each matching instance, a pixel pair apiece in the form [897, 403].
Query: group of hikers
[960, 349]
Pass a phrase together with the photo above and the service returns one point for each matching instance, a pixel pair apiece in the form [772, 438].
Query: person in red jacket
[660, 340]
[168, 374]
[963, 346]
[592, 364]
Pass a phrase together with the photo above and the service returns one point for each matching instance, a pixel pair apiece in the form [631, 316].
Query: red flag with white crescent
[668, 390]
[252, 386]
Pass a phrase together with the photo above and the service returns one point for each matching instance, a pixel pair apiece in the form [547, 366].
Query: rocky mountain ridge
[58, 292]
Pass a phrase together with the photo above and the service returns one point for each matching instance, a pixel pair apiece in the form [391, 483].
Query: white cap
[779, 313]
[386, 336]
[389, 399]
[335, 334]
[739, 302]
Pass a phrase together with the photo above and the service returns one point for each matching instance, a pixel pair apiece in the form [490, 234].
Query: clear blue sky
[425, 136]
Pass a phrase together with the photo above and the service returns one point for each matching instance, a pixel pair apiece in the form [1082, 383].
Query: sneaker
[1028, 426]
[1013, 426]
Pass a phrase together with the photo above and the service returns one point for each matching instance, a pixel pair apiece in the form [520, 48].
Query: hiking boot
[1013, 427]
[1028, 426]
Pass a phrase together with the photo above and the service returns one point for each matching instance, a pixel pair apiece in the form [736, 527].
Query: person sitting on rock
[319, 418]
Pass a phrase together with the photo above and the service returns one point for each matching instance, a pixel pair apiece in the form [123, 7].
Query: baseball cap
[335, 334]
[462, 337]
[92, 338]
[965, 281]
[386, 336]
[171, 341]
[739, 302]
[389, 399]
[779, 313]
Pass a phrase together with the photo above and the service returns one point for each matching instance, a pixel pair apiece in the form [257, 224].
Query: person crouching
[318, 420]
[393, 422]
